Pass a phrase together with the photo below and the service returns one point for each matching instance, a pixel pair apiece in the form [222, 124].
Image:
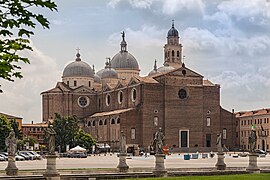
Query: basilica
[117, 98]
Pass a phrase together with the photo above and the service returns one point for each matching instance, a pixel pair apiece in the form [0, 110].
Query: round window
[108, 99]
[133, 94]
[120, 97]
[182, 93]
[83, 101]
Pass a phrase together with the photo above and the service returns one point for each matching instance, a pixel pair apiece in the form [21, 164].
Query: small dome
[124, 60]
[97, 79]
[165, 68]
[153, 72]
[172, 32]
[109, 73]
[78, 68]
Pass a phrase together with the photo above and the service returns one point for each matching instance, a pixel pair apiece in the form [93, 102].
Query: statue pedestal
[11, 169]
[122, 166]
[220, 165]
[160, 170]
[51, 171]
[252, 163]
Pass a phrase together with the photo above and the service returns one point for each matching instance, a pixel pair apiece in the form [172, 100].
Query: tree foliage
[5, 128]
[66, 129]
[17, 23]
[84, 139]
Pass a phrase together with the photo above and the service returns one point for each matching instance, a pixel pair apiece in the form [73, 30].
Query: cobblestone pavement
[172, 161]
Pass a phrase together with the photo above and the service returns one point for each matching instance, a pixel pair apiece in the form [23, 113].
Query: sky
[228, 42]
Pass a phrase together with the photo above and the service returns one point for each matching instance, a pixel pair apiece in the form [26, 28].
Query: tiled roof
[35, 125]
[208, 83]
[111, 112]
[253, 113]
[147, 79]
[10, 116]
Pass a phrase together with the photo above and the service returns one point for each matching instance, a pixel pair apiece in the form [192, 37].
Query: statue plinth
[122, 166]
[252, 163]
[220, 165]
[160, 170]
[11, 169]
[51, 171]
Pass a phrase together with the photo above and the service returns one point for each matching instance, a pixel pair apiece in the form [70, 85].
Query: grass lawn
[262, 176]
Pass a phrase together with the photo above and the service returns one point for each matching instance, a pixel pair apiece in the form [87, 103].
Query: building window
[118, 121]
[133, 133]
[112, 121]
[155, 121]
[100, 123]
[105, 122]
[94, 123]
[172, 53]
[133, 94]
[208, 121]
[178, 54]
[68, 83]
[224, 133]
[236, 134]
[182, 93]
[108, 99]
[89, 83]
[120, 97]
[83, 101]
[89, 123]
[75, 83]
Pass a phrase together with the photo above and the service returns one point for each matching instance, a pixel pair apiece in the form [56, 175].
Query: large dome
[124, 60]
[78, 68]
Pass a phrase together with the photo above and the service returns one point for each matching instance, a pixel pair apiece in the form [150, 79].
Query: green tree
[15, 127]
[30, 139]
[17, 23]
[5, 128]
[84, 139]
[66, 129]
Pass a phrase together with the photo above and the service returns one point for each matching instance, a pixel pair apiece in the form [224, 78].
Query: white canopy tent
[77, 149]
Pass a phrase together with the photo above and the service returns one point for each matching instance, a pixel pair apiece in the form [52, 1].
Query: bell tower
[173, 49]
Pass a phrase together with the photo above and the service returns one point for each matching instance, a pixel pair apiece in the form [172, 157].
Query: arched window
[75, 83]
[120, 97]
[94, 123]
[118, 121]
[100, 123]
[112, 121]
[178, 53]
[89, 123]
[105, 122]
[108, 99]
[172, 53]
[89, 83]
[133, 94]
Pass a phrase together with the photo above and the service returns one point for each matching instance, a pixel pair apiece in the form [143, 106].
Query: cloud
[168, 7]
[23, 96]
[147, 36]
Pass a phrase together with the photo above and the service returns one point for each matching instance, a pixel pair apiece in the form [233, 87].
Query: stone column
[252, 163]
[122, 166]
[159, 170]
[11, 169]
[220, 165]
[51, 171]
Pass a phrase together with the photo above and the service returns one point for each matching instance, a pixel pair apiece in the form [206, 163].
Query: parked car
[19, 158]
[35, 154]
[4, 156]
[26, 157]
[78, 155]
[259, 151]
[32, 157]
